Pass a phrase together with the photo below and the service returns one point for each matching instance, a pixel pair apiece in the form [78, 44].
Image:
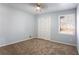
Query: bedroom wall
[55, 36]
[15, 25]
[36, 26]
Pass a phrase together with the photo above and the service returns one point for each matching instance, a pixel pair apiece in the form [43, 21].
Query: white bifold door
[44, 27]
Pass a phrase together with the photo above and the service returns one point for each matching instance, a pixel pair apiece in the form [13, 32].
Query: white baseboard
[63, 43]
[59, 42]
[5, 44]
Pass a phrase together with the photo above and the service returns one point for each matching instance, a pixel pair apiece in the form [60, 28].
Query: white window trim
[59, 25]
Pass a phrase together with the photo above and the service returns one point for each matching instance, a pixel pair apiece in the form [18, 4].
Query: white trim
[63, 43]
[31, 38]
[60, 42]
[5, 44]
[59, 24]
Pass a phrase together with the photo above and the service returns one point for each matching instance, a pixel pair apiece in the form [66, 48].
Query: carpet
[38, 46]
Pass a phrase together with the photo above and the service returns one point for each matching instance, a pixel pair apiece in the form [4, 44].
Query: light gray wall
[55, 36]
[15, 25]
[36, 26]
[78, 28]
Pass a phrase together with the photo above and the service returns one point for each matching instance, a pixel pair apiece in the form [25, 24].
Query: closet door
[44, 27]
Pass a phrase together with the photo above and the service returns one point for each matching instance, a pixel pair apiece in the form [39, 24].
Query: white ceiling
[48, 7]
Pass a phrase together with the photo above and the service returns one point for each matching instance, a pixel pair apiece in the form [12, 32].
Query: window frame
[59, 25]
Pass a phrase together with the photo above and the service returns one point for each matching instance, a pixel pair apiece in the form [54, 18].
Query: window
[67, 24]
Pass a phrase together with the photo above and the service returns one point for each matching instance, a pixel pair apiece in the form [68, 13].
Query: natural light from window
[67, 24]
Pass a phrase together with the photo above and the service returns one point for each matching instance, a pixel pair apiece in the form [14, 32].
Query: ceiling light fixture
[38, 7]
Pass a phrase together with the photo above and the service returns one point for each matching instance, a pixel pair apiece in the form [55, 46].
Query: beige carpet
[38, 47]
